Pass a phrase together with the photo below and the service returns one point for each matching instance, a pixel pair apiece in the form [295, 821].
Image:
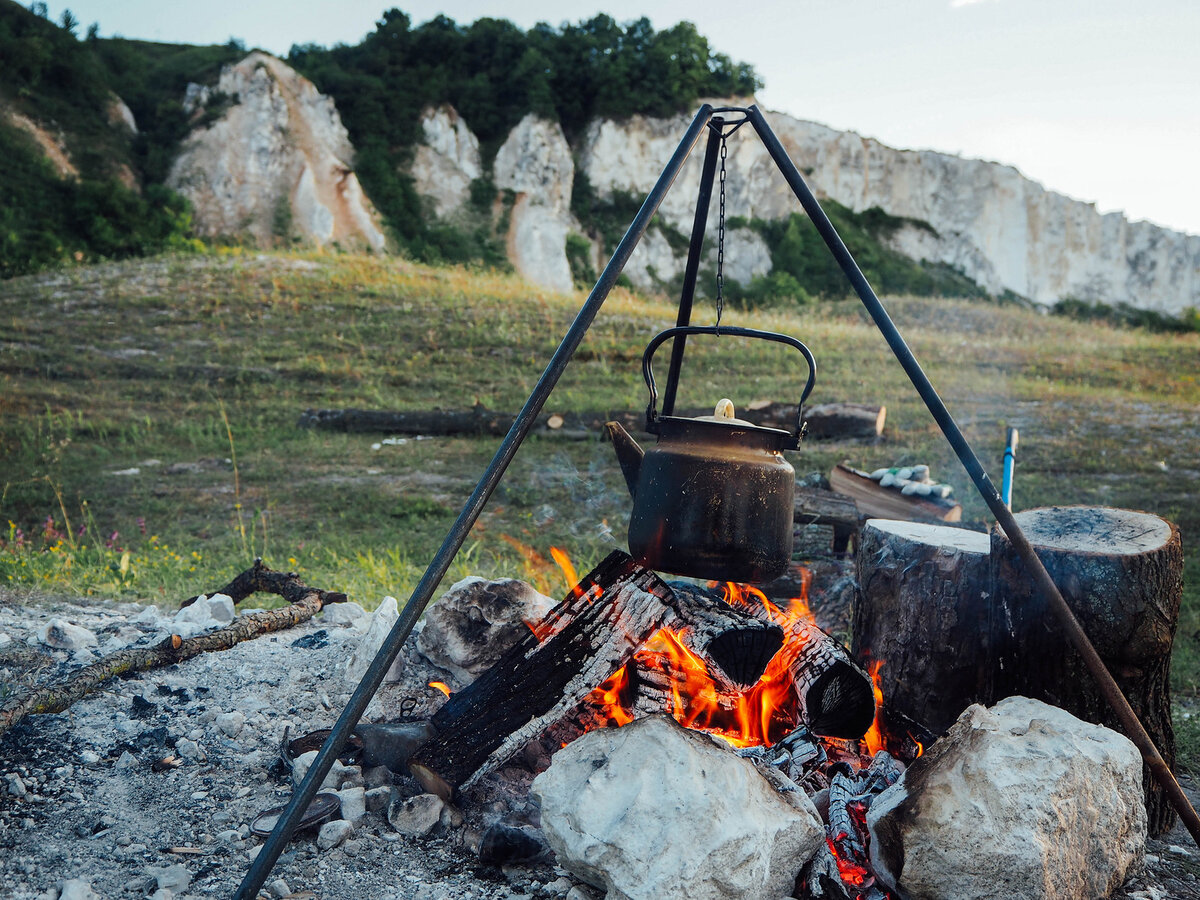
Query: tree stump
[1121, 572]
[956, 620]
[923, 611]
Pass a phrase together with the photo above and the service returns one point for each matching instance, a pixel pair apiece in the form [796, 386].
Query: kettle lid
[724, 414]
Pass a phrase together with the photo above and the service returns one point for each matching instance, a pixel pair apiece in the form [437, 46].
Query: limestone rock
[204, 614]
[446, 161]
[63, 635]
[1020, 800]
[78, 889]
[333, 834]
[535, 162]
[347, 613]
[471, 625]
[277, 164]
[415, 816]
[654, 810]
[381, 623]
[987, 220]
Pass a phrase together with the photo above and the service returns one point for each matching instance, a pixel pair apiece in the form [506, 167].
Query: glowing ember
[441, 686]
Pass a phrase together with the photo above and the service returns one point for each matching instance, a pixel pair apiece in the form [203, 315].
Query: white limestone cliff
[277, 164]
[989, 221]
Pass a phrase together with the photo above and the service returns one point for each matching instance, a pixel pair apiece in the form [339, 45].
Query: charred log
[580, 643]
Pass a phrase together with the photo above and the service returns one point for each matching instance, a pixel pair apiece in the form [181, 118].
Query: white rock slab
[1020, 800]
[653, 810]
[381, 623]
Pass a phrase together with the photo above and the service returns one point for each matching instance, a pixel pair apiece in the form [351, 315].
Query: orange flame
[564, 563]
[874, 736]
[608, 697]
[441, 686]
[852, 873]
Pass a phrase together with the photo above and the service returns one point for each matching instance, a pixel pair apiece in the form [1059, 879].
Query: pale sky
[1096, 99]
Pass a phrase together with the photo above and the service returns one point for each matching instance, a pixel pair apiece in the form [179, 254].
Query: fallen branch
[304, 602]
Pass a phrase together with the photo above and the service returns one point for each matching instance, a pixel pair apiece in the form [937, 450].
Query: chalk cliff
[276, 165]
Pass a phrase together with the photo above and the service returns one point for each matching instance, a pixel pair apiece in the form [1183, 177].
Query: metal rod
[692, 269]
[271, 850]
[1078, 637]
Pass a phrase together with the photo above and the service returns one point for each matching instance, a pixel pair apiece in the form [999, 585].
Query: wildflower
[141, 524]
[111, 542]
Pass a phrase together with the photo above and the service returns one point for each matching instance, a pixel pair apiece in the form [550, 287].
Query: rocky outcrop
[446, 161]
[536, 164]
[276, 165]
[987, 220]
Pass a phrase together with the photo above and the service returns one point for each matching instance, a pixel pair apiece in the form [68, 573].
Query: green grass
[180, 366]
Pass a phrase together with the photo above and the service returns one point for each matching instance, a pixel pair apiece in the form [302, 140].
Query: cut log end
[841, 703]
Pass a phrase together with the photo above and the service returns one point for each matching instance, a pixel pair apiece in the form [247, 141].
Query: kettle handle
[657, 340]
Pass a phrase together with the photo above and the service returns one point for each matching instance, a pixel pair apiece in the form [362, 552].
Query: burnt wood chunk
[739, 643]
[594, 631]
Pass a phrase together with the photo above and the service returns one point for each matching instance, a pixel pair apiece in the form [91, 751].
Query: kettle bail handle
[658, 339]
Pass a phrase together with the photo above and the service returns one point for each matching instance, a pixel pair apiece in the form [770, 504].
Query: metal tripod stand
[709, 118]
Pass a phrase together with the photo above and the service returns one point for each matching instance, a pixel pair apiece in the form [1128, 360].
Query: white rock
[279, 159]
[1022, 795]
[416, 816]
[127, 761]
[536, 163]
[231, 723]
[476, 621]
[332, 834]
[78, 889]
[148, 616]
[377, 799]
[446, 161]
[348, 613]
[16, 785]
[89, 757]
[190, 750]
[615, 821]
[204, 614]
[174, 878]
[354, 804]
[279, 888]
[338, 776]
[382, 620]
[63, 635]
[162, 894]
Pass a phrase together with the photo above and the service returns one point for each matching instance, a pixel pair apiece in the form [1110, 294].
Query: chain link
[721, 236]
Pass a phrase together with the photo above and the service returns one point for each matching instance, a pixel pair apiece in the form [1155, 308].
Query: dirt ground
[79, 798]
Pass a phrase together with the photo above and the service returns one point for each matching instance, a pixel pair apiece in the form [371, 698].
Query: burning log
[740, 643]
[542, 678]
[1122, 574]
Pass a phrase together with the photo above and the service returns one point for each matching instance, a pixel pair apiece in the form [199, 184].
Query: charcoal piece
[502, 844]
[314, 641]
[141, 708]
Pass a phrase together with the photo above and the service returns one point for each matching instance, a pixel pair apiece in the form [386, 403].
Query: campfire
[719, 658]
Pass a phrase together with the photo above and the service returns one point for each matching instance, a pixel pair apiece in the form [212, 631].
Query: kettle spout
[629, 454]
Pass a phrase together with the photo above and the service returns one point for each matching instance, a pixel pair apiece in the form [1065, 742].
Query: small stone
[415, 816]
[376, 776]
[229, 836]
[77, 889]
[279, 888]
[89, 757]
[231, 723]
[127, 761]
[354, 804]
[162, 894]
[560, 886]
[174, 878]
[16, 786]
[348, 613]
[189, 750]
[333, 833]
[63, 635]
[377, 798]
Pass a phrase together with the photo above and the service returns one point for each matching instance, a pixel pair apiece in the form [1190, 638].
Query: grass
[193, 370]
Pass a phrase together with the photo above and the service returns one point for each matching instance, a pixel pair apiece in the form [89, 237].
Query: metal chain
[721, 236]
